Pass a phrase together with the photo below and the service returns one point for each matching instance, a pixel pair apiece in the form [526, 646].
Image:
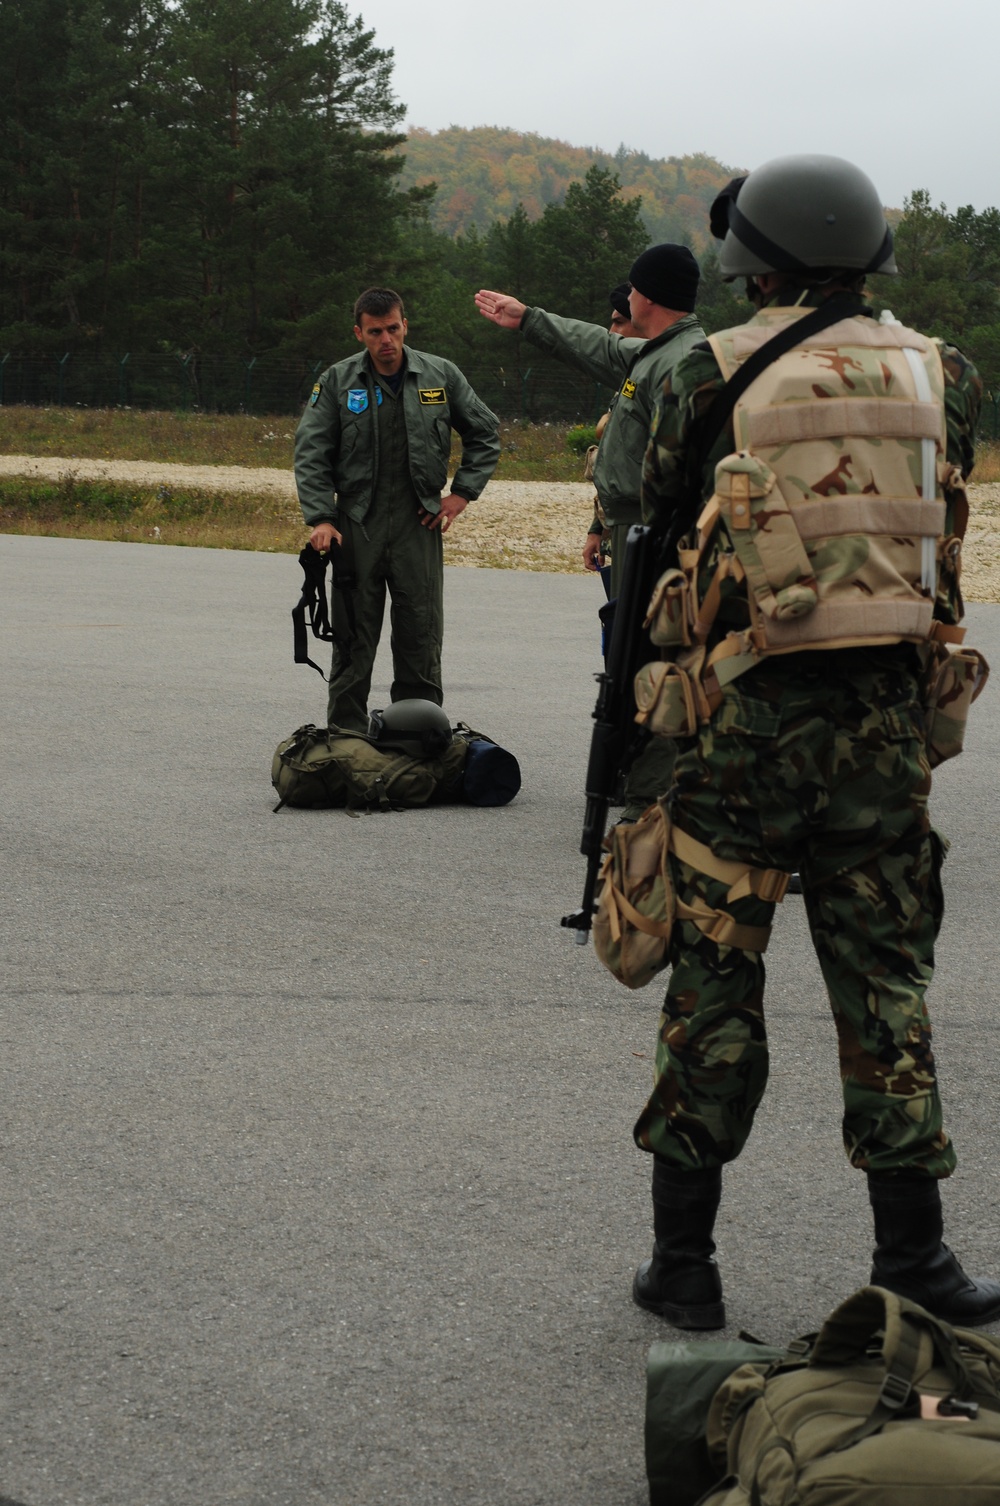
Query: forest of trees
[209, 179]
[485, 173]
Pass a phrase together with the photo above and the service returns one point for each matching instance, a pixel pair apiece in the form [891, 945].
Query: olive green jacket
[336, 455]
[638, 368]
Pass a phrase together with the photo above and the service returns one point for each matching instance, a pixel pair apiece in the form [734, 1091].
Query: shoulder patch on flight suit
[314, 394]
[628, 388]
[357, 399]
[431, 394]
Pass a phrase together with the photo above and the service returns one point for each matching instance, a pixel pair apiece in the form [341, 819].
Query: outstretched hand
[500, 308]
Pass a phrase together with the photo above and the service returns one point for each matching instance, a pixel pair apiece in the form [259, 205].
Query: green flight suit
[367, 460]
[815, 761]
[637, 369]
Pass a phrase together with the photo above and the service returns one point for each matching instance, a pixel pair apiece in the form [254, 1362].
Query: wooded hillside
[483, 174]
[193, 192]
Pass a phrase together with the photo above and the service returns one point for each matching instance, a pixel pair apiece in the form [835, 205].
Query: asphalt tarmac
[318, 1180]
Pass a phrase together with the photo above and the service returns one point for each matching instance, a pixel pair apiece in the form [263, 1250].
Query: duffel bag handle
[851, 1329]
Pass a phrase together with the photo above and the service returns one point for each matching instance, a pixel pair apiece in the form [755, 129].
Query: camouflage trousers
[813, 762]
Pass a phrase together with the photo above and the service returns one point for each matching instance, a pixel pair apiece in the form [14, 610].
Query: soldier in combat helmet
[809, 748]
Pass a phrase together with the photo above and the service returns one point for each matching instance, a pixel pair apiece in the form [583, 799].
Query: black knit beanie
[618, 299]
[668, 275]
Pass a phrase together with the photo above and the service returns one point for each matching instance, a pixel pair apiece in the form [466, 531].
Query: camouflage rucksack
[885, 1406]
[326, 766]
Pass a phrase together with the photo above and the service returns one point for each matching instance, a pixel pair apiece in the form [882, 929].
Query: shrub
[581, 438]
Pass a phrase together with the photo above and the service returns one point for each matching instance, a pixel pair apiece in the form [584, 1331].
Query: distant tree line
[209, 179]
[485, 172]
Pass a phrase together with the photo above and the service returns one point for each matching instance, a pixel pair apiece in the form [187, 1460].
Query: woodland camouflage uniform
[814, 761]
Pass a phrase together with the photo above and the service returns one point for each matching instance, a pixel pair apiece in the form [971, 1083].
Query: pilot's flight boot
[911, 1260]
[681, 1281]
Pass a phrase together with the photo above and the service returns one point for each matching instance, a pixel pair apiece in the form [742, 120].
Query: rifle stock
[616, 739]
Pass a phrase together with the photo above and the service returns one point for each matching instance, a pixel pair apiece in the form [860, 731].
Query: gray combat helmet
[802, 215]
[416, 727]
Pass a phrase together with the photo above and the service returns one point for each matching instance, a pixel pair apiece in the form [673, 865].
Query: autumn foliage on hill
[485, 173]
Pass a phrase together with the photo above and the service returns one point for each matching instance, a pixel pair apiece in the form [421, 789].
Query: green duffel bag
[885, 1406]
[681, 1380]
[326, 766]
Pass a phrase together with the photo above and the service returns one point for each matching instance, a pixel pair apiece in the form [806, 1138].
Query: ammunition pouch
[667, 699]
[668, 616]
[638, 906]
[954, 680]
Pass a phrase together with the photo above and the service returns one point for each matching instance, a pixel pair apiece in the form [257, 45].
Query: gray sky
[907, 89]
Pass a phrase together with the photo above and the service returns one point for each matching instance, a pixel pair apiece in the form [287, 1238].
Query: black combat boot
[911, 1260]
[681, 1281]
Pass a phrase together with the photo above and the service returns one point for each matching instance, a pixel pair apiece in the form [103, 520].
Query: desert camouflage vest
[838, 518]
[834, 503]
[838, 513]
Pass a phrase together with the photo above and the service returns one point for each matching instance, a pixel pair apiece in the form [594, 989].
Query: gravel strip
[527, 525]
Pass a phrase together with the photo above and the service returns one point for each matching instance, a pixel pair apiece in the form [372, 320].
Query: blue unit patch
[357, 399]
[314, 395]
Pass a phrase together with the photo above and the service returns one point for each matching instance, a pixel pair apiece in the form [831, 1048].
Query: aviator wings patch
[432, 394]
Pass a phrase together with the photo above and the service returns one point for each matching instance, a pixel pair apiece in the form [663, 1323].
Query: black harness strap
[310, 610]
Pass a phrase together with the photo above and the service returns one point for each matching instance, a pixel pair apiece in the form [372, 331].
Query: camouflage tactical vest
[833, 503]
[837, 517]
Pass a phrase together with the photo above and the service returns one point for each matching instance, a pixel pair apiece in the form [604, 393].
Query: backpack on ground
[324, 767]
[885, 1406]
[681, 1380]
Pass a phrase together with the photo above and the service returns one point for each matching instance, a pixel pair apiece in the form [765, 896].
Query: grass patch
[987, 462]
[535, 535]
[135, 434]
[530, 452]
[69, 508]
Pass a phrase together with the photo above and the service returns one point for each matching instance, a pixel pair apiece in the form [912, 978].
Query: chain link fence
[542, 392]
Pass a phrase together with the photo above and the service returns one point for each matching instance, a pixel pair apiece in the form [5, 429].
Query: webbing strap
[839, 418]
[709, 608]
[839, 306]
[723, 929]
[943, 632]
[715, 924]
[311, 609]
[643, 923]
[767, 884]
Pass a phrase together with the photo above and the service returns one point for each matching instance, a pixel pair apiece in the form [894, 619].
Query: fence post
[185, 365]
[3, 363]
[62, 380]
[524, 395]
[246, 386]
[122, 383]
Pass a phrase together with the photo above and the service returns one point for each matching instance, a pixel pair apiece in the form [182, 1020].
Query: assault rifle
[616, 739]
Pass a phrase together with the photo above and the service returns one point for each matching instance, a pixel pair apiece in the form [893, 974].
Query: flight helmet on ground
[419, 728]
[804, 215]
